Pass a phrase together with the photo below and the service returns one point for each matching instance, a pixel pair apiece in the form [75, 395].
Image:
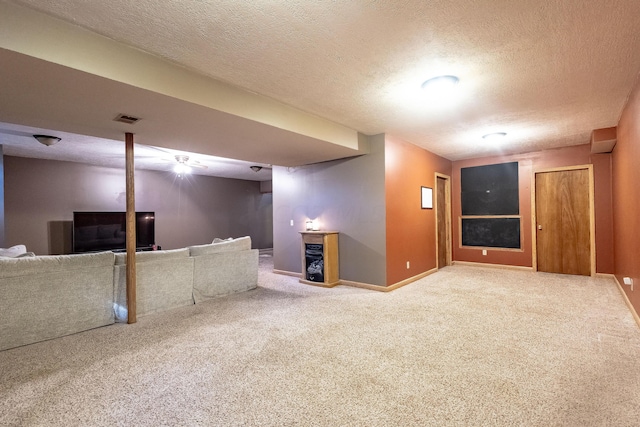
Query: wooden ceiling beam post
[131, 231]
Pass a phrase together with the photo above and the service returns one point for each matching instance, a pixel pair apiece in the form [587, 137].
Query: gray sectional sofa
[45, 297]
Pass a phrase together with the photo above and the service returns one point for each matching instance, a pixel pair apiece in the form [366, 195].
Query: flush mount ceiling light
[495, 136]
[440, 85]
[47, 140]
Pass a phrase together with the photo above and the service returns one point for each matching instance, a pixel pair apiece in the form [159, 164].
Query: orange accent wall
[626, 197]
[411, 231]
[528, 163]
[604, 212]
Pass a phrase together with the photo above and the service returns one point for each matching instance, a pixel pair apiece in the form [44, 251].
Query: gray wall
[2, 239]
[346, 196]
[41, 196]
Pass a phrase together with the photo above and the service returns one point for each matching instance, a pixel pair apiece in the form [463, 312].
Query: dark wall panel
[491, 232]
[490, 189]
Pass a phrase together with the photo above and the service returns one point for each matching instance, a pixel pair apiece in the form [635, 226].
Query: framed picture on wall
[427, 197]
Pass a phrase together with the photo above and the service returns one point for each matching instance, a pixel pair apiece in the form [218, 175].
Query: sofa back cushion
[150, 256]
[13, 251]
[26, 266]
[239, 244]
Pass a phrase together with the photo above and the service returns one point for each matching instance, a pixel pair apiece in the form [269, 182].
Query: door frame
[447, 196]
[592, 222]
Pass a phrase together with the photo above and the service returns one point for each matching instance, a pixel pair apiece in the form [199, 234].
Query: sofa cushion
[239, 244]
[13, 251]
[147, 256]
[26, 254]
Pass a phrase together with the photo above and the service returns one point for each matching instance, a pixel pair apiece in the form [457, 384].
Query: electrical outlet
[408, 265]
[484, 252]
[628, 281]
[291, 223]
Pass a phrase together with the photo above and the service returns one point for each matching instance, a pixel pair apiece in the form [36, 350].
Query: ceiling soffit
[81, 65]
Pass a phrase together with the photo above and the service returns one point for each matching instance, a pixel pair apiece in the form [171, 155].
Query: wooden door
[442, 219]
[563, 222]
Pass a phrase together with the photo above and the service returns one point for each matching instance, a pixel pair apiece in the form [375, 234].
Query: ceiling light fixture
[256, 168]
[47, 140]
[182, 169]
[495, 136]
[440, 85]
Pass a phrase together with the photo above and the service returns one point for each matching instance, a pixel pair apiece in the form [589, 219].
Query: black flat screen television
[106, 231]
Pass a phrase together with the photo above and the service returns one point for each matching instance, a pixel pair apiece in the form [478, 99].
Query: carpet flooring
[467, 346]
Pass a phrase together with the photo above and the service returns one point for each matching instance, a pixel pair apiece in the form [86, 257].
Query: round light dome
[440, 84]
[495, 136]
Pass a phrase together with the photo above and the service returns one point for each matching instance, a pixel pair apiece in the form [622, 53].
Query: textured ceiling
[546, 72]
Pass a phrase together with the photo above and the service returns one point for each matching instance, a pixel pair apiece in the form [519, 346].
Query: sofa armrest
[223, 273]
[164, 280]
[52, 296]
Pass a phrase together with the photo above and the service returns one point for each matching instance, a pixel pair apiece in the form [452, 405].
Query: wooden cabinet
[320, 258]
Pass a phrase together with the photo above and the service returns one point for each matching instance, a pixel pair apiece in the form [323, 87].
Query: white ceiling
[547, 72]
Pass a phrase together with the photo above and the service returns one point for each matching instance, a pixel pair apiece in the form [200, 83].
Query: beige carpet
[465, 346]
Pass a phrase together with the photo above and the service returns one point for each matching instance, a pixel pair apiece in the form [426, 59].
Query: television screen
[106, 231]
